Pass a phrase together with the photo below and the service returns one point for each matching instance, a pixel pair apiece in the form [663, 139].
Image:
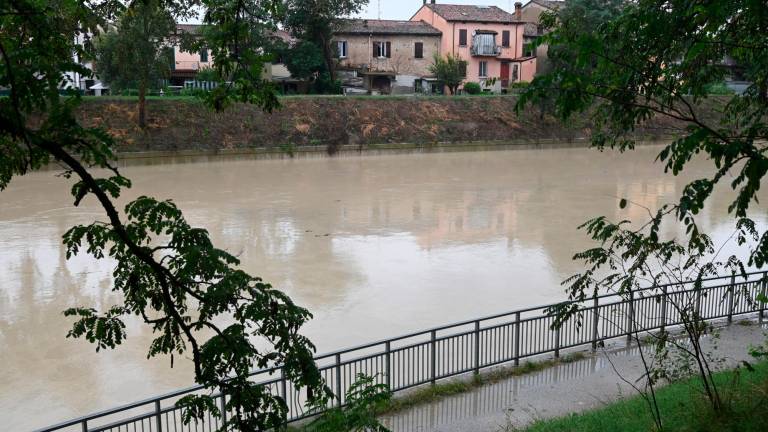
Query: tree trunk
[143, 104]
[328, 56]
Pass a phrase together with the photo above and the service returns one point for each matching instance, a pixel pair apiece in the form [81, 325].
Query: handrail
[434, 339]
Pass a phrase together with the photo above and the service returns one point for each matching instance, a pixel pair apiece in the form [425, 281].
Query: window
[515, 69]
[418, 50]
[463, 37]
[204, 55]
[341, 46]
[382, 49]
[463, 68]
[483, 69]
[505, 38]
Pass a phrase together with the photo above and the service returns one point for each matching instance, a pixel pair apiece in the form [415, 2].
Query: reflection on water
[373, 246]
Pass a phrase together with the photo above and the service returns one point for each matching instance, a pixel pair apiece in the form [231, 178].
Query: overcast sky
[404, 9]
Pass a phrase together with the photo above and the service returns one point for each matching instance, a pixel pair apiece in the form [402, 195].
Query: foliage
[450, 70]
[304, 60]
[193, 296]
[362, 401]
[207, 74]
[472, 88]
[315, 21]
[658, 59]
[135, 53]
[239, 36]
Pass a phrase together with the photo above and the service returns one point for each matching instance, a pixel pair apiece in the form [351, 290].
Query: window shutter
[505, 38]
[463, 68]
[389, 50]
[463, 37]
[375, 49]
[419, 50]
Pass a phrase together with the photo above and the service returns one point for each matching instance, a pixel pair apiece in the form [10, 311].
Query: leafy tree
[304, 60]
[135, 53]
[659, 59]
[450, 70]
[193, 296]
[316, 20]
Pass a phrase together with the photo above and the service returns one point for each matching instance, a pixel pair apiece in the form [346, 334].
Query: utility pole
[379, 6]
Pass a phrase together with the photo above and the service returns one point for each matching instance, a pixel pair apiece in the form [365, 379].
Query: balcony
[485, 50]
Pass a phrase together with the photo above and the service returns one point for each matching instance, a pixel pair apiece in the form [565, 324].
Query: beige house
[383, 56]
[531, 14]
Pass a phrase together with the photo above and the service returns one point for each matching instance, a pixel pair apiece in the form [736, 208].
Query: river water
[374, 246]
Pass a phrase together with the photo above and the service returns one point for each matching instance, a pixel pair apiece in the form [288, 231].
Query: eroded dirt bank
[334, 122]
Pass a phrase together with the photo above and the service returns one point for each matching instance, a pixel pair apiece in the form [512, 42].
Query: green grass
[683, 408]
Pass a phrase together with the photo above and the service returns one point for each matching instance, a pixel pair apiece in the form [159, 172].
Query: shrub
[472, 88]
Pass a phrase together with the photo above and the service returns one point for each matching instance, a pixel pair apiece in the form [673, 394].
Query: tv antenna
[378, 4]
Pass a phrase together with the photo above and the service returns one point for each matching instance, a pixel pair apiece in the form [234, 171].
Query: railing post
[631, 316]
[731, 288]
[158, 419]
[763, 293]
[663, 308]
[387, 366]
[84, 425]
[557, 342]
[595, 321]
[517, 339]
[433, 349]
[283, 388]
[338, 378]
[477, 347]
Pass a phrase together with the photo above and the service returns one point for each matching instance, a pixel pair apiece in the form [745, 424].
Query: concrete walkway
[557, 391]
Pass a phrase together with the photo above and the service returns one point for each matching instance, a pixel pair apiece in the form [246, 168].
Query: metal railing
[427, 356]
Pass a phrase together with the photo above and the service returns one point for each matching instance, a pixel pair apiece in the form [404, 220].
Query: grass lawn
[683, 408]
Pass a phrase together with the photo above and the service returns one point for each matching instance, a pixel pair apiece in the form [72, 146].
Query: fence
[428, 356]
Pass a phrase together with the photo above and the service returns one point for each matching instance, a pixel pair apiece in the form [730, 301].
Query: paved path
[554, 392]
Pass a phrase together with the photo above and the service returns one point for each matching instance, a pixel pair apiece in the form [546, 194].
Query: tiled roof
[363, 26]
[472, 13]
[188, 28]
[549, 4]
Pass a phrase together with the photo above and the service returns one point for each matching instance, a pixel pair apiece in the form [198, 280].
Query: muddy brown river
[374, 246]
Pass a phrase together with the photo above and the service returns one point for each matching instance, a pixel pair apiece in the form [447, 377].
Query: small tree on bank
[315, 21]
[135, 54]
[659, 59]
[450, 70]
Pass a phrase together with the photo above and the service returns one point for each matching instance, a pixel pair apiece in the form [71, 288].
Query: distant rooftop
[549, 4]
[386, 27]
[490, 14]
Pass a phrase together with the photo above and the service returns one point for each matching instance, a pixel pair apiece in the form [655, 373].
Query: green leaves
[106, 331]
[362, 400]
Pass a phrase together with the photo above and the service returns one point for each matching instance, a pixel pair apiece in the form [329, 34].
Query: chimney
[518, 11]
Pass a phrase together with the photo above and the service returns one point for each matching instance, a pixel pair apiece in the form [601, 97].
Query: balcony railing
[485, 50]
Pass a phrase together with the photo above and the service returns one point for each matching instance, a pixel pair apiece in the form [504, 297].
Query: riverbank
[566, 396]
[333, 124]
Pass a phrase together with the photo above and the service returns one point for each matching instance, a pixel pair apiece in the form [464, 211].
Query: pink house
[489, 39]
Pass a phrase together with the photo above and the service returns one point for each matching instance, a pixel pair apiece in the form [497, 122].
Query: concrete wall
[402, 60]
